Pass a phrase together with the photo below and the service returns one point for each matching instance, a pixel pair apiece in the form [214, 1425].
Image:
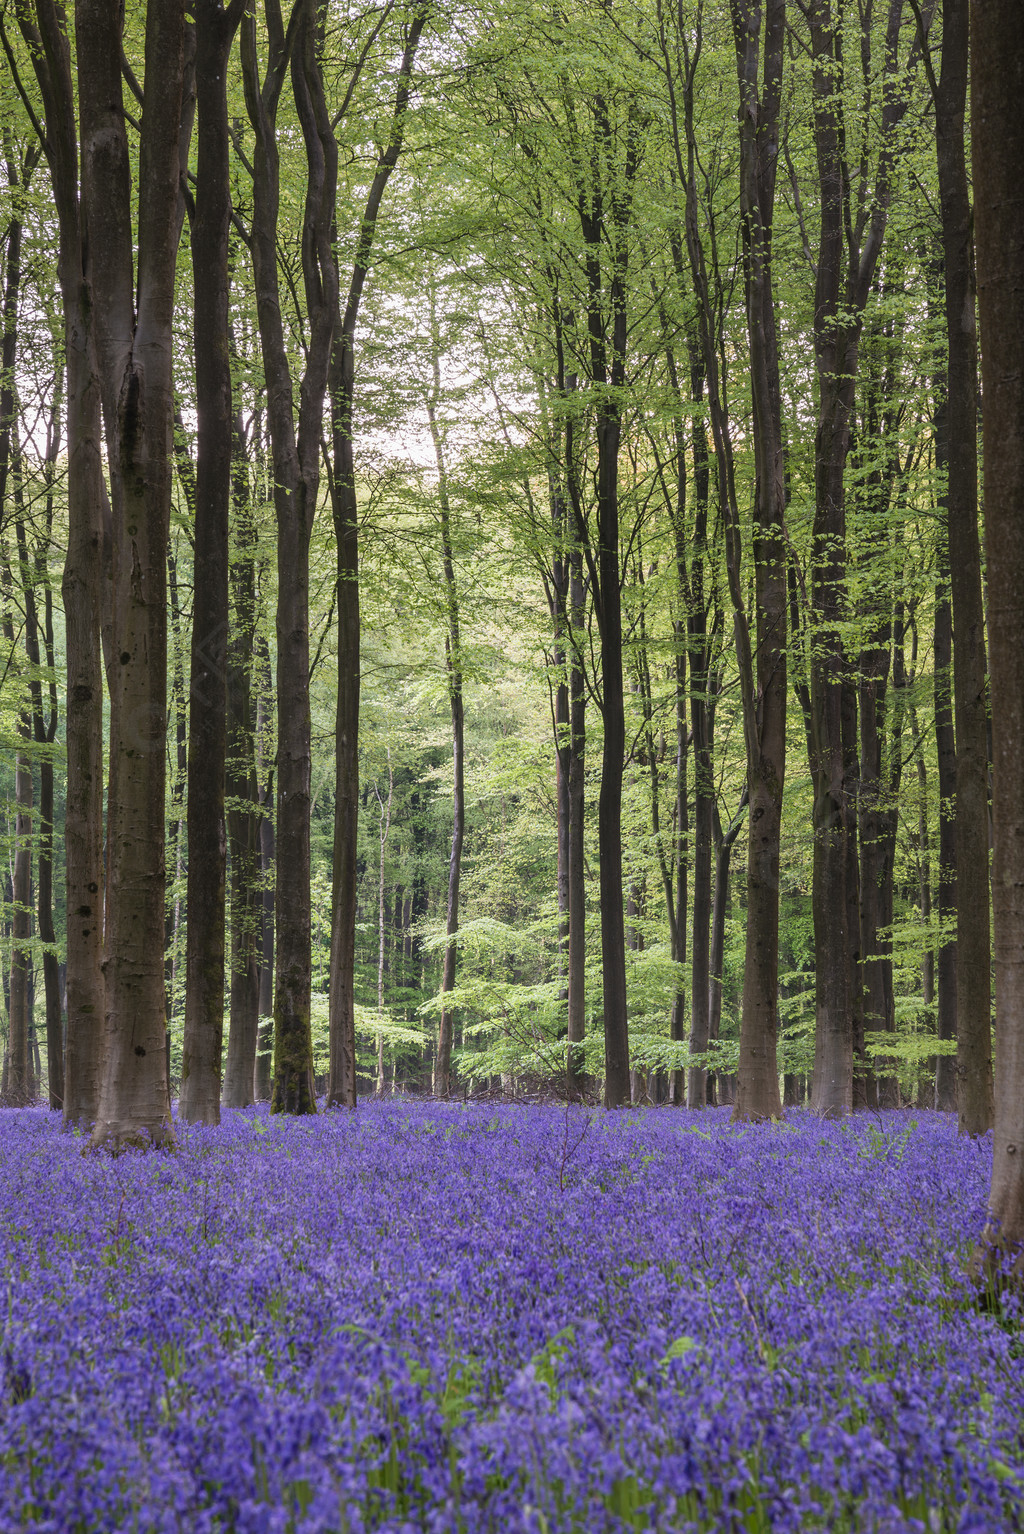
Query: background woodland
[565, 614]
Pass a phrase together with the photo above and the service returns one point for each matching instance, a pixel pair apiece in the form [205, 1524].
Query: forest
[571, 504]
[512, 606]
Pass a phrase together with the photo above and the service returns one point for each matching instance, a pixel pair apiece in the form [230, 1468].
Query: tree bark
[724, 843]
[849, 248]
[265, 755]
[34, 574]
[20, 1087]
[997, 40]
[970, 701]
[702, 716]
[133, 348]
[243, 818]
[764, 680]
[199, 1102]
[945, 751]
[295, 449]
[44, 30]
[576, 859]
[605, 235]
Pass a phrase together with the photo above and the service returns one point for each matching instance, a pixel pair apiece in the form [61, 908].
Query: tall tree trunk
[20, 1088]
[577, 945]
[45, 32]
[263, 1076]
[702, 716]
[880, 708]
[384, 829]
[568, 581]
[341, 1081]
[243, 819]
[133, 347]
[176, 836]
[605, 233]
[762, 682]
[924, 861]
[295, 450]
[44, 730]
[970, 702]
[849, 248]
[945, 751]
[724, 843]
[764, 701]
[453, 668]
[204, 960]
[45, 734]
[872, 810]
[997, 38]
[888, 1091]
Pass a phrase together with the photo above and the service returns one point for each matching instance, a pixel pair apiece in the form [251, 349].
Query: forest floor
[448, 1318]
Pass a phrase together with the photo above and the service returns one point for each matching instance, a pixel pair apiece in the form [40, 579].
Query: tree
[851, 236]
[215, 29]
[341, 1084]
[762, 677]
[970, 702]
[133, 307]
[454, 671]
[44, 29]
[295, 447]
[997, 133]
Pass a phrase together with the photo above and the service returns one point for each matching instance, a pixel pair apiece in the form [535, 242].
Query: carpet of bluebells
[451, 1318]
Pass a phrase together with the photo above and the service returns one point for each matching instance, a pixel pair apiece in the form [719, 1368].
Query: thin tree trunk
[453, 667]
[702, 715]
[724, 843]
[762, 681]
[243, 819]
[20, 1088]
[924, 859]
[874, 674]
[263, 1076]
[44, 732]
[607, 239]
[341, 1082]
[945, 751]
[888, 1089]
[577, 945]
[385, 827]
